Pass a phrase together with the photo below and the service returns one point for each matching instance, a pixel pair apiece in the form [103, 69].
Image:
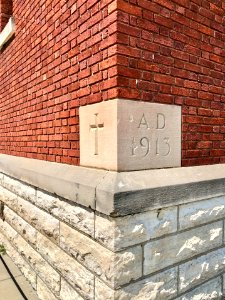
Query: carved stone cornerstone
[125, 135]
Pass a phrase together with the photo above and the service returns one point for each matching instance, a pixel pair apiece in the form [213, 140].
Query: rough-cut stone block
[68, 293]
[119, 233]
[24, 267]
[173, 249]
[41, 267]
[39, 219]
[223, 277]
[162, 286]
[8, 231]
[1, 177]
[138, 135]
[43, 292]
[200, 269]
[208, 291]
[21, 226]
[8, 198]
[78, 217]
[103, 291]
[193, 214]
[114, 268]
[20, 188]
[69, 268]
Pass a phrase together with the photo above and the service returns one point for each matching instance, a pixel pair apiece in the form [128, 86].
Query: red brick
[164, 79]
[128, 8]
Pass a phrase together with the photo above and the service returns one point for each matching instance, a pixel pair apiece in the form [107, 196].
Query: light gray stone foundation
[155, 234]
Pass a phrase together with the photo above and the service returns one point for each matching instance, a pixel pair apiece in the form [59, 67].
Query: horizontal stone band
[114, 193]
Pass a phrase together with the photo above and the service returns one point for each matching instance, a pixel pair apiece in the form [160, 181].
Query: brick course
[5, 12]
[68, 54]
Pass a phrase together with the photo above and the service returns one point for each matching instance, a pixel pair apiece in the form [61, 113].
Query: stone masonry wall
[69, 252]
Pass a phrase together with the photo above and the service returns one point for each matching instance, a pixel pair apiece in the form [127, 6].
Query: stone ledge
[7, 32]
[74, 183]
[115, 193]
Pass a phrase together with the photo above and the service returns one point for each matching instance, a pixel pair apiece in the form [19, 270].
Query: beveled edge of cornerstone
[114, 193]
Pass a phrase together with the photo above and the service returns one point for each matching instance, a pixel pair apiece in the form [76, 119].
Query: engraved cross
[96, 128]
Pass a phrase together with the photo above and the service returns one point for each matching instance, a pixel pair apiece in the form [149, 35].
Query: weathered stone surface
[3, 239]
[194, 214]
[36, 217]
[162, 286]
[200, 269]
[114, 268]
[68, 293]
[43, 292]
[8, 198]
[24, 267]
[8, 231]
[19, 188]
[39, 219]
[142, 135]
[1, 177]
[119, 233]
[223, 281]
[208, 291]
[173, 249]
[69, 268]
[103, 291]
[21, 226]
[41, 267]
[78, 217]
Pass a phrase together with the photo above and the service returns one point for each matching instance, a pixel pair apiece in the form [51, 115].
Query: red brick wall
[70, 53]
[63, 56]
[6, 8]
[172, 51]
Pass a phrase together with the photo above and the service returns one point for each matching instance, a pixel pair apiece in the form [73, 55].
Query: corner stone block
[115, 269]
[124, 135]
[122, 232]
